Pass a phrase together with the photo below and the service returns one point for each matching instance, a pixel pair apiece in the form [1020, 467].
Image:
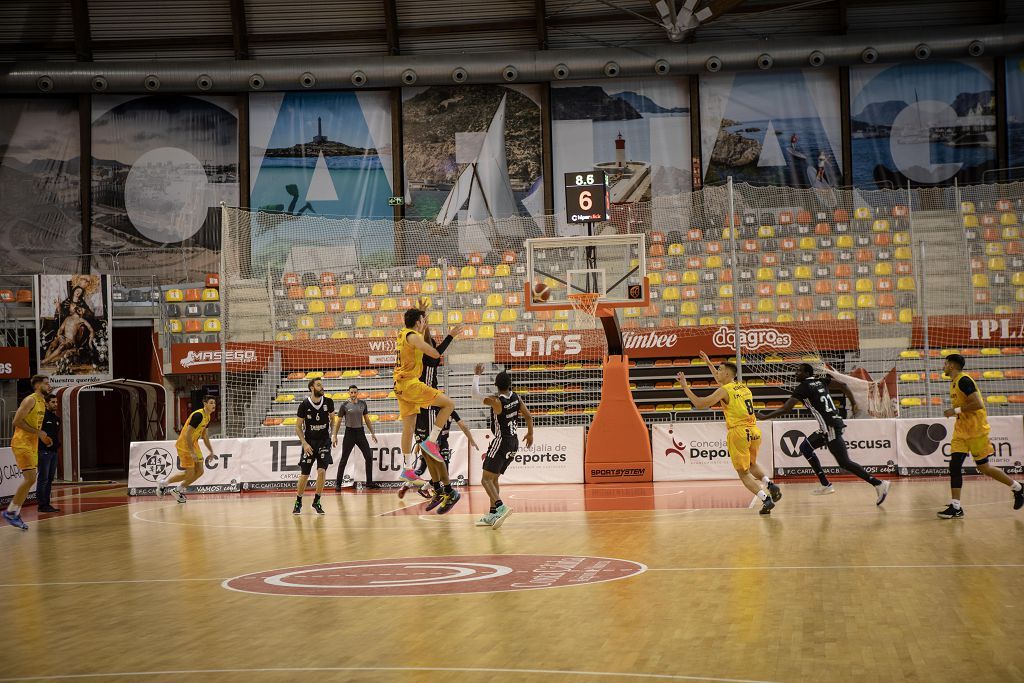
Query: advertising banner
[870, 443]
[687, 451]
[556, 457]
[153, 461]
[273, 464]
[196, 358]
[14, 362]
[923, 445]
[677, 342]
[960, 330]
[73, 319]
[11, 477]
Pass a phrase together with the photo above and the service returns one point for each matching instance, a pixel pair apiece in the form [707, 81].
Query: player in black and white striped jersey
[813, 392]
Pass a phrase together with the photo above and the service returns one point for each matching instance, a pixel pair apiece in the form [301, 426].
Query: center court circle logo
[924, 439]
[446, 575]
[156, 464]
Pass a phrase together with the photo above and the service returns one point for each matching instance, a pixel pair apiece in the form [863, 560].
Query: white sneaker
[823, 490]
[178, 495]
[501, 515]
[486, 520]
[883, 491]
[161, 489]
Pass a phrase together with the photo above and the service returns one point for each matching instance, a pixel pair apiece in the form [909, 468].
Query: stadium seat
[1008, 218]
[996, 400]
[766, 231]
[171, 295]
[784, 289]
[193, 294]
[193, 325]
[317, 306]
[845, 301]
[905, 284]
[880, 225]
[865, 301]
[979, 280]
[210, 294]
[675, 249]
[864, 285]
[353, 306]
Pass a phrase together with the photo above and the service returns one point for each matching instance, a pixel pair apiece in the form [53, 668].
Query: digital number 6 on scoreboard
[586, 197]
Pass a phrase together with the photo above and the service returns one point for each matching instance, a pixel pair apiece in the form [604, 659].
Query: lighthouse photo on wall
[635, 131]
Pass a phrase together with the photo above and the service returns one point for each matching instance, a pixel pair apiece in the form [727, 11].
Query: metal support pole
[735, 281]
[924, 323]
[224, 307]
[444, 312]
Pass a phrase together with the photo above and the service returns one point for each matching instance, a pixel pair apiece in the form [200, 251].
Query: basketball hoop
[584, 302]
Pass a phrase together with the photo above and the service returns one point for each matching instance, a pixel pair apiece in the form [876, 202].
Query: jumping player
[189, 454]
[970, 436]
[506, 409]
[744, 438]
[813, 392]
[433, 490]
[315, 417]
[28, 432]
[413, 395]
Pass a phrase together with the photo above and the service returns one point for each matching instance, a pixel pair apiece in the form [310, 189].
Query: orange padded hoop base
[618, 443]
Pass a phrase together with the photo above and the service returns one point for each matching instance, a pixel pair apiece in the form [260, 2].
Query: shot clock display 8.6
[586, 196]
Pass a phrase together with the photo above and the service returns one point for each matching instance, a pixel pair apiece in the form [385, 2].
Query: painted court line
[403, 669]
[838, 566]
[93, 583]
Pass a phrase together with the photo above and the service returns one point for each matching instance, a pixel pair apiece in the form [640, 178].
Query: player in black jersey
[317, 428]
[432, 490]
[814, 393]
[506, 409]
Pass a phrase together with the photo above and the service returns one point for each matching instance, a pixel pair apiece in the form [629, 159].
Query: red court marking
[445, 575]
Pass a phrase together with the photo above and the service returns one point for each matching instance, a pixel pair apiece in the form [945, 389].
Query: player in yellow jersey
[189, 454]
[28, 423]
[743, 436]
[414, 394]
[970, 436]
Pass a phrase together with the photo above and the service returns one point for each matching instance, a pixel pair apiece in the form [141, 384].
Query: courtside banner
[197, 358]
[273, 464]
[923, 445]
[687, 451]
[152, 461]
[871, 443]
[11, 477]
[556, 456]
[959, 330]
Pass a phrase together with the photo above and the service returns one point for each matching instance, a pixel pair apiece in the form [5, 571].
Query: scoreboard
[586, 197]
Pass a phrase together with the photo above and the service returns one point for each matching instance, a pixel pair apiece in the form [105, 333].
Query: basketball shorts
[26, 458]
[321, 455]
[980, 447]
[186, 455]
[501, 453]
[743, 443]
[412, 396]
[424, 421]
[824, 437]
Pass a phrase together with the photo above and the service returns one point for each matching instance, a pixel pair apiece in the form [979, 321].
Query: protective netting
[847, 278]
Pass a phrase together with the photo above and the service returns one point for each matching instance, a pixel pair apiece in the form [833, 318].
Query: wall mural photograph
[777, 128]
[161, 165]
[1015, 113]
[925, 124]
[40, 205]
[321, 154]
[636, 131]
[473, 154]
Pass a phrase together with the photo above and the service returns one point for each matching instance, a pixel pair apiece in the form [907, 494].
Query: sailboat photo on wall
[473, 156]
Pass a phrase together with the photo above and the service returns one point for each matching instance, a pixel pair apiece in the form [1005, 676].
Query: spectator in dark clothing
[48, 455]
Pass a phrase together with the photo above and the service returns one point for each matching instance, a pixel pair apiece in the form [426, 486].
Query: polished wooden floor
[825, 589]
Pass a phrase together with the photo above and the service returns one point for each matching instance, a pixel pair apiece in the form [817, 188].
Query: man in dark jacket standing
[48, 455]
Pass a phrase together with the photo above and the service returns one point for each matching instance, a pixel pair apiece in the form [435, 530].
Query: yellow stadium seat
[560, 327]
[283, 336]
[880, 225]
[173, 295]
[970, 222]
[495, 300]
[802, 273]
[808, 243]
[901, 238]
[313, 292]
[864, 284]
[1009, 233]
[284, 398]
[675, 249]
[992, 374]
[211, 325]
[306, 322]
[339, 334]
[435, 318]
[454, 317]
[490, 316]
[670, 294]
[317, 306]
[865, 301]
[485, 332]
[906, 316]
[211, 294]
[994, 249]
[1019, 296]
[687, 322]
[996, 399]
[561, 315]
[766, 231]
[502, 270]
[910, 354]
[765, 274]
[883, 268]
[388, 304]
[349, 374]
[353, 306]
[379, 289]
[997, 263]
[509, 315]
[862, 213]
[1008, 218]
[429, 287]
[784, 289]
[845, 301]
[725, 292]
[910, 377]
[713, 262]
[966, 207]
[378, 334]
[784, 318]
[467, 273]
[313, 374]
[844, 241]
[345, 291]
[910, 402]
[290, 421]
[979, 280]
[1002, 309]
[903, 254]
[690, 277]
[632, 312]
[765, 305]
[724, 320]
[905, 284]
[707, 321]
[688, 308]
[175, 326]
[463, 287]
[433, 273]
[1018, 279]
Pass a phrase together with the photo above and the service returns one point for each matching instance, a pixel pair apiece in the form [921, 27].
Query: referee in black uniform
[355, 413]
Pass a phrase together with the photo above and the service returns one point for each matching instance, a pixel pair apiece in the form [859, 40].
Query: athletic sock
[13, 509]
[955, 502]
[316, 499]
[766, 480]
[498, 503]
[807, 451]
[494, 509]
[448, 488]
[434, 434]
[762, 495]
[1016, 486]
[298, 499]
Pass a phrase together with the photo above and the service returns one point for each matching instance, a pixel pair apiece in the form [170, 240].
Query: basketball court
[665, 581]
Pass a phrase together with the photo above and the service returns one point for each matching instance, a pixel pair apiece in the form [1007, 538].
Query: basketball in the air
[541, 292]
